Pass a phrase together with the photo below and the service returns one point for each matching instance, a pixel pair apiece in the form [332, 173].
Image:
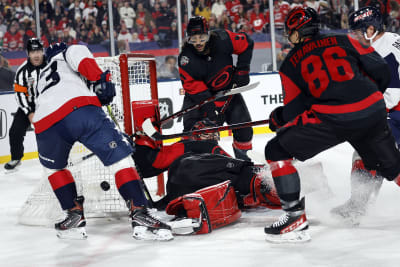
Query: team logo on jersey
[184, 60]
[3, 124]
[112, 144]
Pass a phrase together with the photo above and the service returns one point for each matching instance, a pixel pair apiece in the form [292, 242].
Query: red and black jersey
[336, 77]
[214, 71]
[153, 161]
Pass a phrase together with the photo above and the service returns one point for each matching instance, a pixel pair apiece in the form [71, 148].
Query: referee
[25, 91]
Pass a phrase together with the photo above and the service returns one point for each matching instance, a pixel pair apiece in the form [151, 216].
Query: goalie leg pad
[214, 206]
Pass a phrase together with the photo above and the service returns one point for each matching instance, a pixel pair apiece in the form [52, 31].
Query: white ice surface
[376, 242]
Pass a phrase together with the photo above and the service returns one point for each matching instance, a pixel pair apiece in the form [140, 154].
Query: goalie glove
[104, 88]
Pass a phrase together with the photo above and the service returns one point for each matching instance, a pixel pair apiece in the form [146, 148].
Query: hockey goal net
[135, 79]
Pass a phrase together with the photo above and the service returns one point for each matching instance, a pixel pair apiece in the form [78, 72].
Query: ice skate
[147, 227]
[73, 226]
[291, 227]
[12, 165]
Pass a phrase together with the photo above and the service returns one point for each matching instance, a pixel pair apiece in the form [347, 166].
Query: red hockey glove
[275, 119]
[105, 89]
[241, 76]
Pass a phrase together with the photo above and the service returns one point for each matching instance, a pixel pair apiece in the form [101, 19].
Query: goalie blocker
[207, 209]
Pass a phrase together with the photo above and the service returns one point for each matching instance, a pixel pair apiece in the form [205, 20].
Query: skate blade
[291, 237]
[143, 233]
[184, 226]
[74, 233]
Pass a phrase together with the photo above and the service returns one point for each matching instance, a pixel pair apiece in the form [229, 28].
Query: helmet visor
[198, 39]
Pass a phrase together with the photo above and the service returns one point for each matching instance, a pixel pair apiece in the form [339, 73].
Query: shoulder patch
[184, 60]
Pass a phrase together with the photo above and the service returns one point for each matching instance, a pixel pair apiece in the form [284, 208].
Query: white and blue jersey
[388, 46]
[68, 111]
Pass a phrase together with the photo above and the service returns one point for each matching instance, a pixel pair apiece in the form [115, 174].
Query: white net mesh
[42, 207]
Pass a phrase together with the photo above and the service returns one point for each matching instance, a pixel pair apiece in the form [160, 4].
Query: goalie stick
[150, 131]
[228, 92]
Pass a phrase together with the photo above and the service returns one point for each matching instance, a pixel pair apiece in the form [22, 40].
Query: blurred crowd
[86, 21]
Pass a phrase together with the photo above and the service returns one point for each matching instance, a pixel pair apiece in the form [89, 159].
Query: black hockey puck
[105, 186]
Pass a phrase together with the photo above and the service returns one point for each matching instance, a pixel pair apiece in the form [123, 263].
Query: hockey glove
[241, 76]
[54, 50]
[105, 89]
[275, 119]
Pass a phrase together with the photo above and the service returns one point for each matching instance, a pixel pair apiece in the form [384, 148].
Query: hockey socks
[129, 186]
[64, 187]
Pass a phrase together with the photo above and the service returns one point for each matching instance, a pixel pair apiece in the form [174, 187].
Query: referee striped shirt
[25, 84]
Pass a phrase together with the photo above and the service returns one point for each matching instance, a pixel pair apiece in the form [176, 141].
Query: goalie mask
[360, 20]
[205, 123]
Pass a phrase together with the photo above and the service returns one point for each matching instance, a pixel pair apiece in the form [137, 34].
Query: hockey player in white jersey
[68, 111]
[367, 26]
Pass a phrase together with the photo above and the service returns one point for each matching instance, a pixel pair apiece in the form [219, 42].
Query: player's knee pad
[275, 152]
[214, 206]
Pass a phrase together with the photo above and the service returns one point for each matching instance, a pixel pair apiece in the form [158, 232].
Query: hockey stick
[150, 131]
[220, 94]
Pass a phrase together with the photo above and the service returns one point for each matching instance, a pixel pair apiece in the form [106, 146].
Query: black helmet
[303, 20]
[365, 17]
[197, 25]
[33, 45]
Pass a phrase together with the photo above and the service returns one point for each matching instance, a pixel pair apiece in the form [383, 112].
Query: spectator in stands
[142, 15]
[89, 10]
[168, 69]
[3, 26]
[145, 35]
[248, 5]
[46, 8]
[75, 9]
[95, 35]
[218, 8]
[27, 7]
[156, 12]
[135, 38]
[104, 27]
[128, 15]
[124, 34]
[13, 40]
[257, 19]
[203, 10]
[6, 75]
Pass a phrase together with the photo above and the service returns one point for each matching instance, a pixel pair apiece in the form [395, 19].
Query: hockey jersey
[388, 46]
[336, 77]
[62, 88]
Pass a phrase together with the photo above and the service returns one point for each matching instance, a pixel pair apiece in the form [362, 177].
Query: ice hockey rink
[376, 242]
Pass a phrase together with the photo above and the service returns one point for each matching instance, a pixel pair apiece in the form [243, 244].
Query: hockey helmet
[54, 50]
[34, 44]
[303, 20]
[197, 25]
[205, 123]
[365, 17]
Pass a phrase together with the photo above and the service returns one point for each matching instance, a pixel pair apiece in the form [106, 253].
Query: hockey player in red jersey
[205, 67]
[68, 111]
[333, 94]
